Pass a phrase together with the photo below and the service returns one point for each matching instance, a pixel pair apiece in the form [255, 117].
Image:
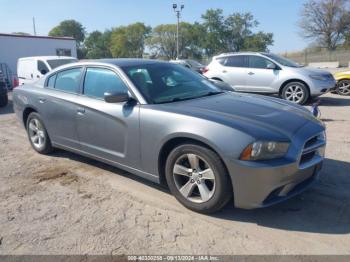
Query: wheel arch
[26, 113]
[174, 142]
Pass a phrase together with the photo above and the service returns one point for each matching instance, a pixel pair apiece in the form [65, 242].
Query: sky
[279, 17]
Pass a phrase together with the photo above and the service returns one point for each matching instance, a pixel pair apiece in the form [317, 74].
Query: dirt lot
[67, 204]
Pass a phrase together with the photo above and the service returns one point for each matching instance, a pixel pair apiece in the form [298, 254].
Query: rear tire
[37, 134]
[343, 87]
[197, 178]
[3, 101]
[296, 92]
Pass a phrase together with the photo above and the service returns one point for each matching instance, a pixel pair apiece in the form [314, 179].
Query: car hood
[338, 75]
[253, 114]
[315, 71]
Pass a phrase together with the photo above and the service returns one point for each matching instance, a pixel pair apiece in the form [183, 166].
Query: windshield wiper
[177, 99]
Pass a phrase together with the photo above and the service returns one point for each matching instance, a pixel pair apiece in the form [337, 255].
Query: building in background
[13, 46]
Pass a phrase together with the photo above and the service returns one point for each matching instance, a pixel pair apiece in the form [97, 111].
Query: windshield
[282, 60]
[58, 62]
[165, 83]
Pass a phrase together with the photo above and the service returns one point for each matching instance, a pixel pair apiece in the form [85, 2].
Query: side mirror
[43, 72]
[116, 97]
[271, 66]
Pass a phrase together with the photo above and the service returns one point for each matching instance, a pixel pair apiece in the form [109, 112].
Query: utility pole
[178, 15]
[34, 29]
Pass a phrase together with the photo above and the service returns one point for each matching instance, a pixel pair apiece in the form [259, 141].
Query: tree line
[215, 34]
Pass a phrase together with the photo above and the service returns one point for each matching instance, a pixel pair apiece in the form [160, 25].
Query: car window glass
[221, 60]
[68, 80]
[42, 66]
[236, 61]
[162, 83]
[99, 81]
[258, 62]
[51, 81]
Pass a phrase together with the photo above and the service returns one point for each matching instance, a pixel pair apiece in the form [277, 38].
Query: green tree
[97, 45]
[162, 41]
[129, 41]
[232, 33]
[71, 28]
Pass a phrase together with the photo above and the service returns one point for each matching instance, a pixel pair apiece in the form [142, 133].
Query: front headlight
[261, 150]
[318, 77]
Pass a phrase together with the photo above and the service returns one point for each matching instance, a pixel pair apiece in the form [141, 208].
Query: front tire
[197, 178]
[343, 87]
[295, 92]
[37, 134]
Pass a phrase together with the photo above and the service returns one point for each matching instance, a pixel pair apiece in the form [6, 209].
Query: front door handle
[224, 71]
[42, 100]
[250, 73]
[81, 111]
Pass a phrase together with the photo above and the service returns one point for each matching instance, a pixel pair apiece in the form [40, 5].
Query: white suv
[270, 74]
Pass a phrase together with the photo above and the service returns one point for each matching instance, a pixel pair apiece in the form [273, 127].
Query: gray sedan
[170, 125]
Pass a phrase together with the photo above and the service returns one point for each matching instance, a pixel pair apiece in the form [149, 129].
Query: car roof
[239, 53]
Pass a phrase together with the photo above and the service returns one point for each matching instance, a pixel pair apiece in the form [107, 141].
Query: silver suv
[270, 74]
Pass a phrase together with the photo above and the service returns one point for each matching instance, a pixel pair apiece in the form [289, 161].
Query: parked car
[170, 125]
[189, 63]
[30, 69]
[3, 91]
[270, 74]
[343, 83]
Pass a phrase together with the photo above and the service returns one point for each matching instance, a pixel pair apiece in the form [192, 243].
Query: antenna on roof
[34, 29]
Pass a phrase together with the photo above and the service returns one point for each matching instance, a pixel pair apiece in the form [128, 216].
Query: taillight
[15, 82]
[205, 69]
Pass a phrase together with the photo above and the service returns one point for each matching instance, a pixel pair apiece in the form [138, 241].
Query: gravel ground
[68, 204]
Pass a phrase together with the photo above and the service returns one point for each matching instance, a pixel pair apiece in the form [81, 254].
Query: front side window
[99, 81]
[68, 80]
[165, 83]
[259, 62]
[42, 67]
[236, 61]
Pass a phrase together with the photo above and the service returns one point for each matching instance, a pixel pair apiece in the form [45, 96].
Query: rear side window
[51, 81]
[258, 62]
[99, 81]
[68, 80]
[237, 61]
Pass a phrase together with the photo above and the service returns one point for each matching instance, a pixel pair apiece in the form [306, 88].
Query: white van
[30, 69]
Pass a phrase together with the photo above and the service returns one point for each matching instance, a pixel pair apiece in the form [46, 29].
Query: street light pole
[178, 15]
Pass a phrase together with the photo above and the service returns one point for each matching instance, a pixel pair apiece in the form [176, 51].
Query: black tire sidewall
[305, 90]
[337, 89]
[223, 188]
[47, 148]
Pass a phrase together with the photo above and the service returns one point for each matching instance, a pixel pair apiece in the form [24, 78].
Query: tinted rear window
[237, 61]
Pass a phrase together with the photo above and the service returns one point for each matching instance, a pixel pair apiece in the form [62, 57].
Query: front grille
[310, 149]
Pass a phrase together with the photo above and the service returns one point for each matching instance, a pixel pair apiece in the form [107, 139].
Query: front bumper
[318, 88]
[261, 184]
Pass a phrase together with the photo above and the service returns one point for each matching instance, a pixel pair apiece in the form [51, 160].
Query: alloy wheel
[344, 88]
[194, 178]
[294, 93]
[36, 133]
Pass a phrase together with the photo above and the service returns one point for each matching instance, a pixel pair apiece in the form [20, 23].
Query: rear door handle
[81, 111]
[250, 73]
[224, 71]
[42, 100]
